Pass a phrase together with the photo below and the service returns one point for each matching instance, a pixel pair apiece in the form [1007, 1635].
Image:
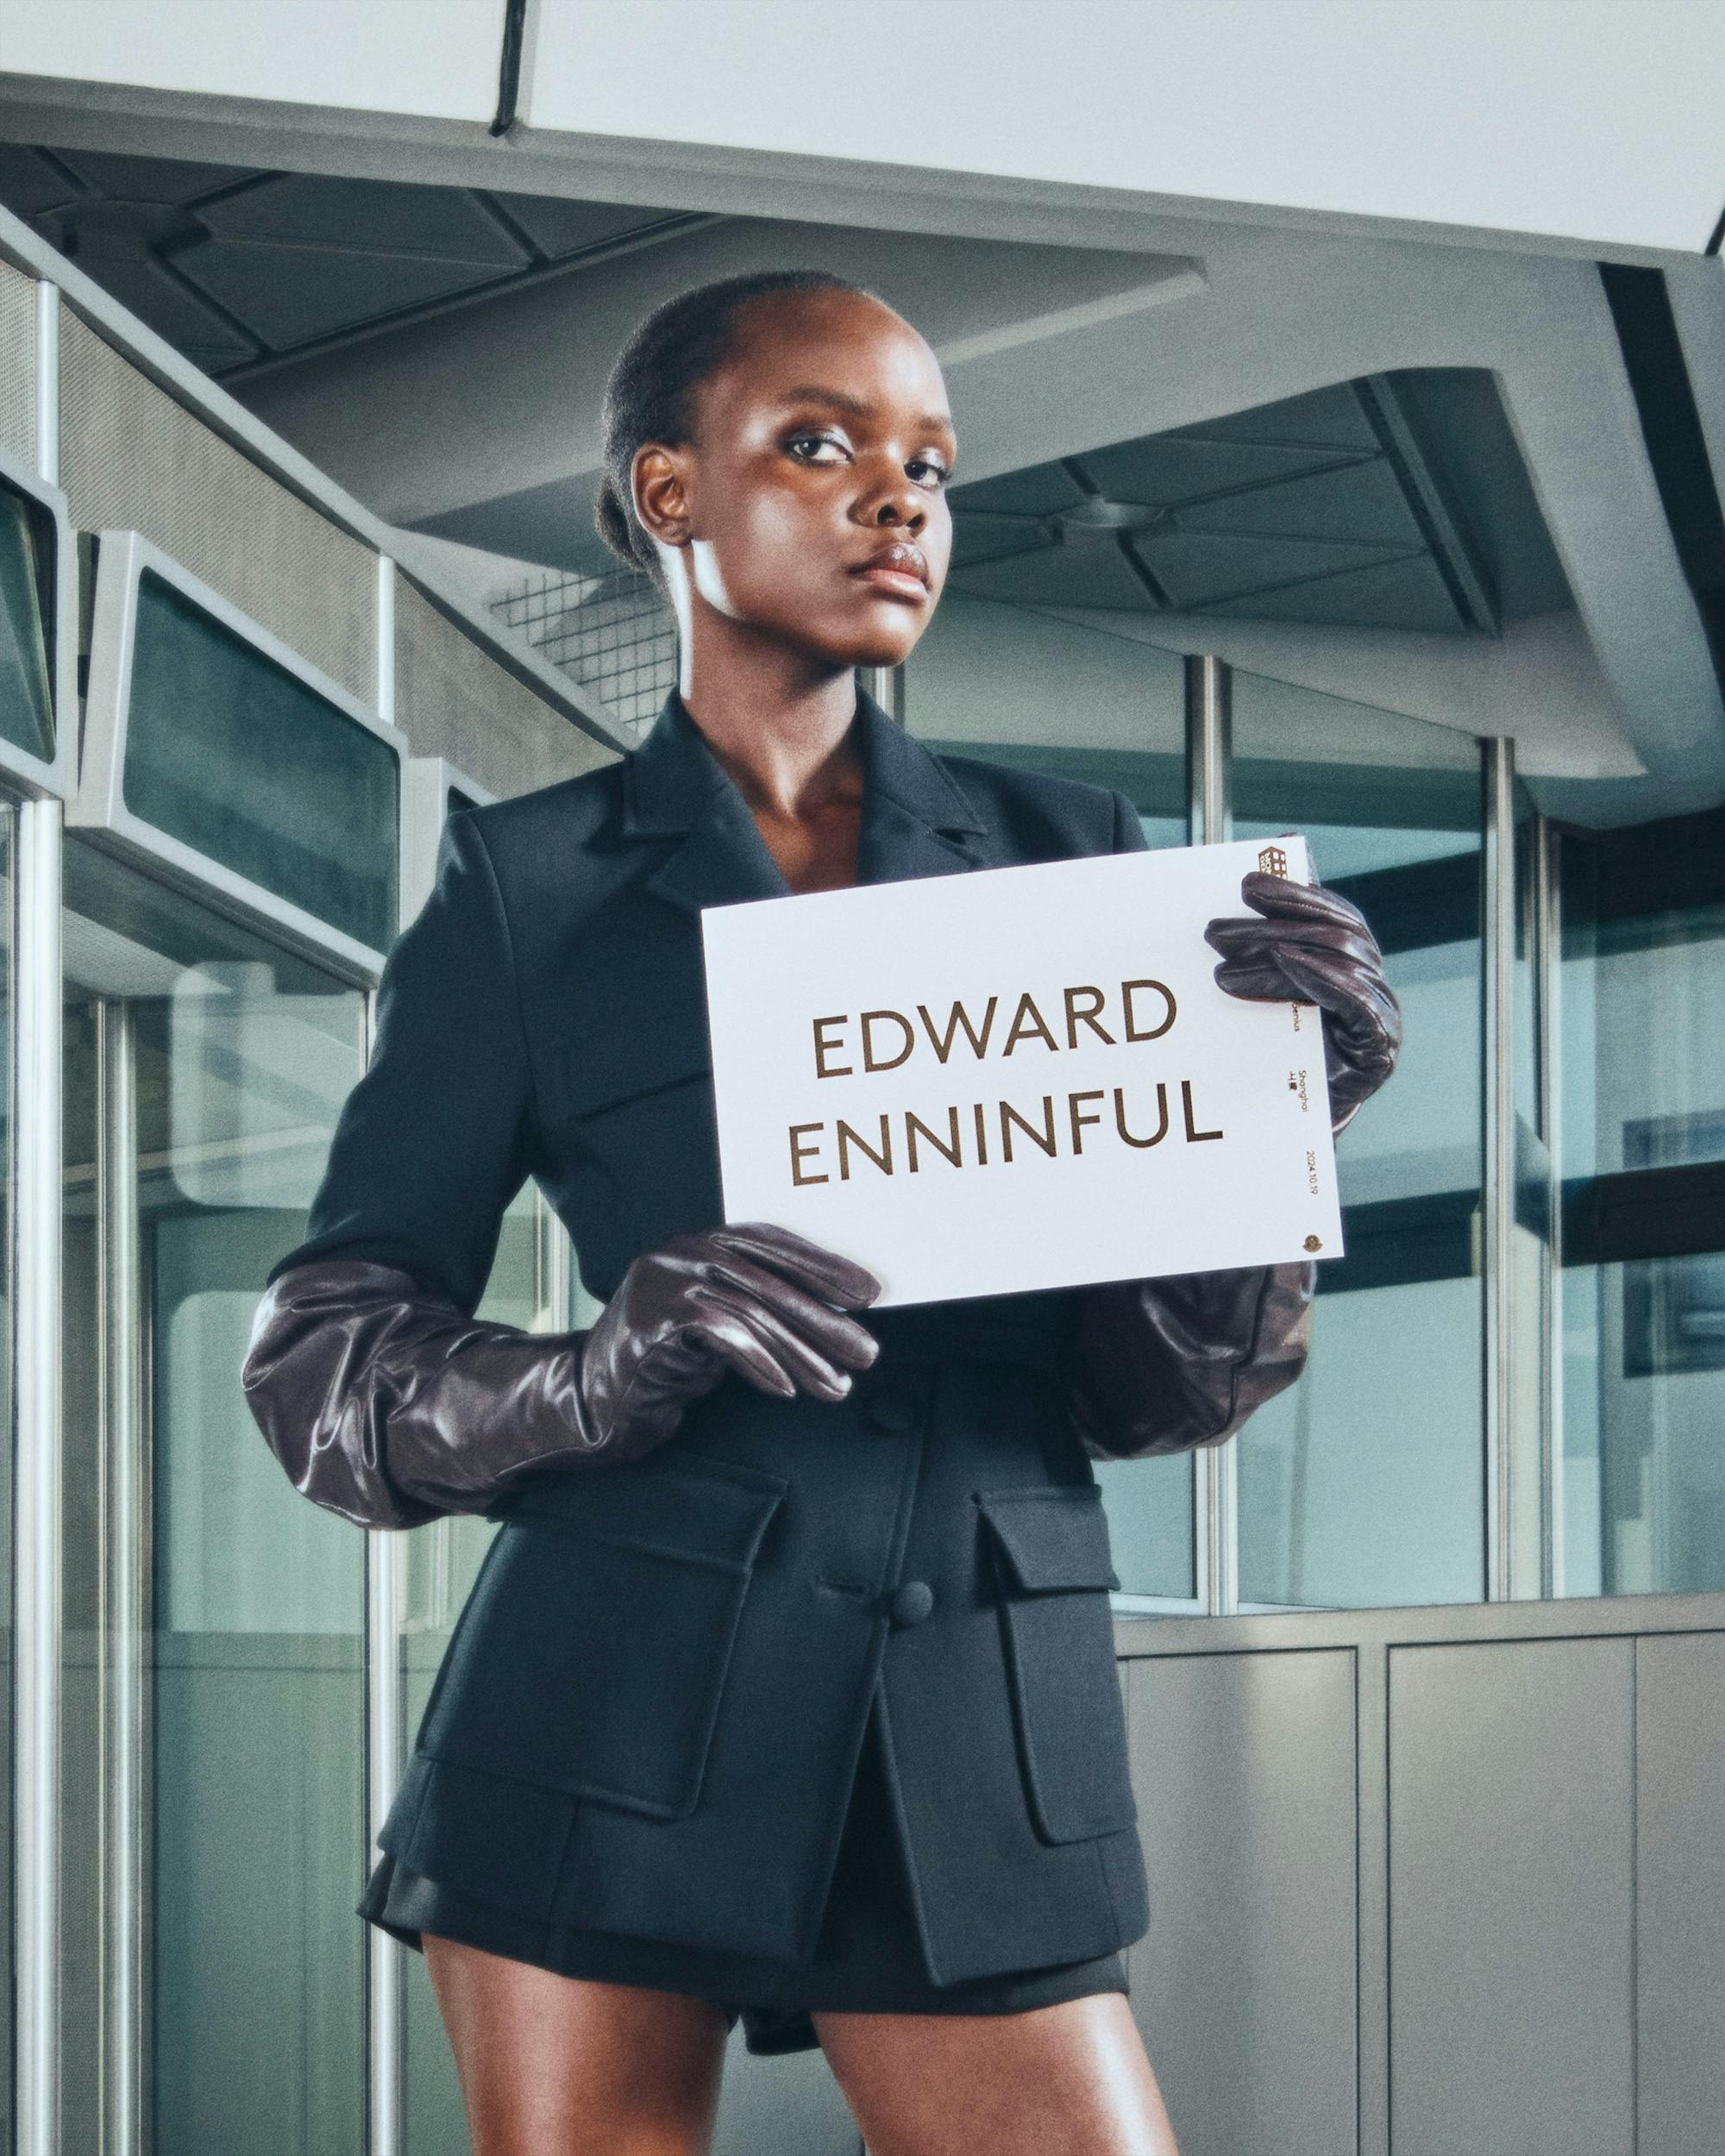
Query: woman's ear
[661, 494]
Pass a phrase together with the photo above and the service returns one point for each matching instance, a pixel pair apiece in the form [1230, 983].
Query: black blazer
[650, 1712]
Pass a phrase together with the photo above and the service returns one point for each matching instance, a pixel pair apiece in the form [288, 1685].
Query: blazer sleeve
[1164, 1364]
[437, 1137]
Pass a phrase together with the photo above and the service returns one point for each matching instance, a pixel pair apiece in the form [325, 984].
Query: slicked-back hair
[648, 396]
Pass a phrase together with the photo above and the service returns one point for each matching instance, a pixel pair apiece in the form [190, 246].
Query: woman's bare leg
[555, 2065]
[1067, 2080]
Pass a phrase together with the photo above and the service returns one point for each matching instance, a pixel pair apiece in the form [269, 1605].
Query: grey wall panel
[1243, 1987]
[17, 364]
[131, 457]
[1511, 1898]
[452, 700]
[1680, 1866]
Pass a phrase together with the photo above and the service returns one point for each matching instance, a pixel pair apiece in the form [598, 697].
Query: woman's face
[811, 503]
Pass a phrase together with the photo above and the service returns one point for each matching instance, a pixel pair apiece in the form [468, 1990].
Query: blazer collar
[914, 820]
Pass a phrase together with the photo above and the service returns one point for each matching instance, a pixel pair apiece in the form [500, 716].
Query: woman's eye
[943, 472]
[797, 442]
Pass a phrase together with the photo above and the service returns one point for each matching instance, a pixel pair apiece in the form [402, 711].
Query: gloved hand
[755, 1299]
[1314, 946]
[385, 1403]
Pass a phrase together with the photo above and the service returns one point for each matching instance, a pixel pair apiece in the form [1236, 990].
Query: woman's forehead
[861, 357]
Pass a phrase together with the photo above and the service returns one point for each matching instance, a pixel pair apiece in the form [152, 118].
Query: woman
[787, 1687]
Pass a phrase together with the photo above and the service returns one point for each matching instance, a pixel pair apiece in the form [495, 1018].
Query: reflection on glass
[242, 761]
[1362, 1484]
[1641, 1497]
[27, 541]
[204, 1072]
[1075, 701]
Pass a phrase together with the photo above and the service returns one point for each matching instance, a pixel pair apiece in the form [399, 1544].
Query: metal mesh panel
[614, 634]
[453, 699]
[17, 364]
[131, 457]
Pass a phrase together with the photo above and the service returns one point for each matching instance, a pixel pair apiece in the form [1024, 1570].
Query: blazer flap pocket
[715, 1513]
[586, 1077]
[1053, 1537]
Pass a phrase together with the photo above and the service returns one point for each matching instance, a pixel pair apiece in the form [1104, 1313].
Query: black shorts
[868, 1958]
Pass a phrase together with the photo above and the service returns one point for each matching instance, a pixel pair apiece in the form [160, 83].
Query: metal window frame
[98, 806]
[37, 777]
[425, 786]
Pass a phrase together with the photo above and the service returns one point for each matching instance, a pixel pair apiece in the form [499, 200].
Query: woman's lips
[902, 583]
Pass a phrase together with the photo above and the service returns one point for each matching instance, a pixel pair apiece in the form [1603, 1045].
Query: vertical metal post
[124, 1701]
[886, 686]
[384, 1991]
[1547, 989]
[1209, 751]
[1498, 1198]
[38, 1178]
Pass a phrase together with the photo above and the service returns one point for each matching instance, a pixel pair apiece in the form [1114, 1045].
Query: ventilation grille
[18, 365]
[612, 634]
[452, 700]
[132, 457]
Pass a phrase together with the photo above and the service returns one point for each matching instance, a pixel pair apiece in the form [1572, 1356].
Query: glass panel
[1079, 701]
[440, 1562]
[238, 758]
[204, 1072]
[1641, 1473]
[26, 543]
[1363, 1485]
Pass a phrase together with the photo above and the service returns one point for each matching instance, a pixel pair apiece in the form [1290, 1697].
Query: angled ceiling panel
[378, 217]
[1405, 594]
[1360, 502]
[165, 180]
[1040, 490]
[1327, 418]
[1198, 569]
[155, 293]
[1165, 469]
[30, 183]
[558, 228]
[989, 538]
[289, 294]
[1082, 575]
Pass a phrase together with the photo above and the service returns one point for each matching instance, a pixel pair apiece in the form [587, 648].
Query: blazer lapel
[914, 823]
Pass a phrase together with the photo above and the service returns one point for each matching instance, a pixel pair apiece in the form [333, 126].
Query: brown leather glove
[385, 1403]
[1163, 1365]
[1314, 946]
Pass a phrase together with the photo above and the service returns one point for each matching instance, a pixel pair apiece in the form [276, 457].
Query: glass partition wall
[215, 1642]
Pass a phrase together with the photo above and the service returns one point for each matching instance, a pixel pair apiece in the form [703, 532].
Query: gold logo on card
[1273, 862]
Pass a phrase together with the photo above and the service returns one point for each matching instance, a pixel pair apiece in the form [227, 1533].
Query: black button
[891, 1407]
[912, 1602]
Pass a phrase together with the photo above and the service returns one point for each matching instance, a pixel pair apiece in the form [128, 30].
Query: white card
[1020, 1078]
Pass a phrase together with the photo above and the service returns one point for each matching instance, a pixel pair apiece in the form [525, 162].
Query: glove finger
[1260, 984]
[1240, 938]
[725, 1337]
[836, 1278]
[1368, 1019]
[830, 1332]
[1281, 898]
[804, 1364]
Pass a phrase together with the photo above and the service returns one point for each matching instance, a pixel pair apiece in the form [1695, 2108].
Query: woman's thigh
[555, 2065]
[1067, 2080]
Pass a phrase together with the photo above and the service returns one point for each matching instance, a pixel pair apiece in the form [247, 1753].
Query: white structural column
[383, 1653]
[37, 1180]
[1209, 747]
